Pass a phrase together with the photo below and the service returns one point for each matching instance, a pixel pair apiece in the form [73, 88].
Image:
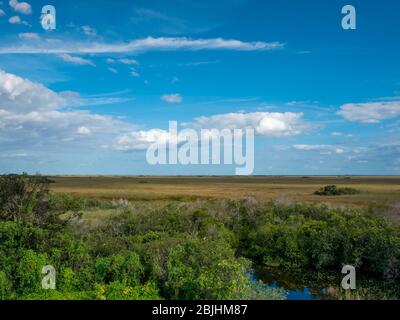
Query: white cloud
[33, 115]
[2, 13]
[326, 149]
[74, 99]
[322, 149]
[172, 98]
[197, 63]
[17, 20]
[21, 95]
[273, 124]
[135, 73]
[14, 20]
[76, 60]
[340, 134]
[128, 61]
[84, 130]
[29, 36]
[57, 126]
[113, 70]
[89, 31]
[371, 112]
[142, 45]
[140, 140]
[21, 7]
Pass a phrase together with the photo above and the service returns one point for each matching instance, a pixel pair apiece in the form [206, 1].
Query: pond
[323, 286]
[295, 289]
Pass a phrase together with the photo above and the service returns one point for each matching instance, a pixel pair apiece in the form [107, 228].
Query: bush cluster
[200, 250]
[333, 190]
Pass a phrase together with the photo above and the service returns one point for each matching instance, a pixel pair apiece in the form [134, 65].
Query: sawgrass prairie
[374, 190]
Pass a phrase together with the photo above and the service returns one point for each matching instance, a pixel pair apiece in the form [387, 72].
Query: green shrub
[26, 199]
[125, 269]
[333, 190]
[6, 289]
[28, 272]
[119, 291]
[202, 269]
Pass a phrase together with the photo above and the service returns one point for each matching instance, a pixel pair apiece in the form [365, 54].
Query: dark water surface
[322, 286]
[296, 290]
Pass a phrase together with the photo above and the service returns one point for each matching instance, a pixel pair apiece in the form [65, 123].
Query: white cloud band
[140, 45]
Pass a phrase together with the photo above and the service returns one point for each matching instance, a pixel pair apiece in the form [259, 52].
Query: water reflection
[324, 286]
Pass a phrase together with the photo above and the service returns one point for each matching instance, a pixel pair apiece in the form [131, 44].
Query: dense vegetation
[333, 190]
[198, 250]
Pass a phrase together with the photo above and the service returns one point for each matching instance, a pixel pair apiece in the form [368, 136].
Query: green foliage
[202, 269]
[28, 276]
[201, 250]
[25, 198]
[68, 202]
[125, 269]
[324, 240]
[21, 197]
[67, 280]
[333, 190]
[119, 291]
[59, 295]
[5, 286]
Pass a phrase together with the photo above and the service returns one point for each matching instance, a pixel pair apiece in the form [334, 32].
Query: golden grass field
[375, 190]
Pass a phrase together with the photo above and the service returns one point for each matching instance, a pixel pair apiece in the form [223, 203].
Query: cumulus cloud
[22, 95]
[31, 114]
[172, 98]
[17, 20]
[57, 127]
[141, 140]
[84, 130]
[141, 45]
[14, 20]
[76, 60]
[369, 113]
[273, 124]
[264, 124]
[21, 7]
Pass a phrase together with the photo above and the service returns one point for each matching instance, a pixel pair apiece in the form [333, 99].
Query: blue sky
[85, 98]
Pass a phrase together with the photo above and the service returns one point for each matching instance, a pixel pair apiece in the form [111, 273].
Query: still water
[294, 291]
[323, 286]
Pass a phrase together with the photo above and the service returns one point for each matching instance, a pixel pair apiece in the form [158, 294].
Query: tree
[25, 198]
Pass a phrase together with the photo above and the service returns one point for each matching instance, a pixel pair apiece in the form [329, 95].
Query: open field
[374, 190]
